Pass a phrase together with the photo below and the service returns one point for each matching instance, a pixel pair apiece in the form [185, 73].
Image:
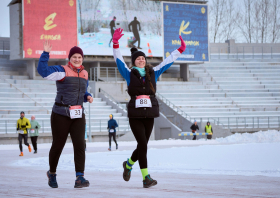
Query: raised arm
[162, 67]
[55, 72]
[123, 69]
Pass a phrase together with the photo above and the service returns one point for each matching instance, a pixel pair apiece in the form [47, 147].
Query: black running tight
[141, 129]
[61, 127]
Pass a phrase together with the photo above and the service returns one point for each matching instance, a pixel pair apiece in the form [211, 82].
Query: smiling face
[76, 60]
[140, 62]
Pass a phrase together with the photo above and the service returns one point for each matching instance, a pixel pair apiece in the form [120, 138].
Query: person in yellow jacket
[209, 129]
[22, 125]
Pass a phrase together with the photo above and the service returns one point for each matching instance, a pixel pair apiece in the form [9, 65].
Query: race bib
[21, 131]
[112, 130]
[143, 101]
[32, 131]
[76, 111]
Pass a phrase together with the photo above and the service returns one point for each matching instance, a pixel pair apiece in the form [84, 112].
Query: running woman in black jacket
[143, 106]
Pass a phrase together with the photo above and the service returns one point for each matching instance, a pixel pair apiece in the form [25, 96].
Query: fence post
[100, 125]
[228, 122]
[253, 52]
[271, 53]
[268, 121]
[253, 122]
[43, 126]
[107, 72]
[90, 74]
[245, 122]
[6, 127]
[116, 74]
[89, 124]
[262, 52]
[243, 52]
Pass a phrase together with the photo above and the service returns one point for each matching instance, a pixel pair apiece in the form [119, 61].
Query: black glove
[17, 129]
[113, 127]
[36, 127]
[23, 126]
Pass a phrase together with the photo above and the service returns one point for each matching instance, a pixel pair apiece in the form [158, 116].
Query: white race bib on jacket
[32, 131]
[143, 101]
[76, 111]
[21, 131]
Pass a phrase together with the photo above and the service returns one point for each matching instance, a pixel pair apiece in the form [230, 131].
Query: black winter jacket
[138, 87]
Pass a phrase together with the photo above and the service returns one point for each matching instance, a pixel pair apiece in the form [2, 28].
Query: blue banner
[191, 22]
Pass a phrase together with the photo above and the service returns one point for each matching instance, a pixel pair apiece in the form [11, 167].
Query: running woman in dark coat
[143, 106]
[112, 124]
[67, 112]
[134, 25]
[112, 27]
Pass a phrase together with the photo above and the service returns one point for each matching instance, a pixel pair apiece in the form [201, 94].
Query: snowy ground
[241, 165]
[98, 43]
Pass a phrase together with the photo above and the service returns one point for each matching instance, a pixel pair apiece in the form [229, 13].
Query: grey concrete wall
[16, 47]
[231, 47]
[164, 129]
[115, 89]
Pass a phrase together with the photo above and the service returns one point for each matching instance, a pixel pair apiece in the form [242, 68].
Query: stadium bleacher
[237, 95]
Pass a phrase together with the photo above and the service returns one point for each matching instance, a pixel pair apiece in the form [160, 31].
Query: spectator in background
[22, 125]
[113, 28]
[208, 129]
[34, 132]
[194, 128]
[112, 124]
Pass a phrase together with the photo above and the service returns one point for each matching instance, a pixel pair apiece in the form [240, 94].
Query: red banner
[52, 20]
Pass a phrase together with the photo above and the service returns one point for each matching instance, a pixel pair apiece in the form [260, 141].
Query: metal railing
[113, 100]
[105, 74]
[244, 122]
[245, 52]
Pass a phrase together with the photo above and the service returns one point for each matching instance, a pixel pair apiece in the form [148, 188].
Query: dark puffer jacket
[138, 87]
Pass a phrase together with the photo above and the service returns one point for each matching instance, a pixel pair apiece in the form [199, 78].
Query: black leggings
[61, 127]
[34, 142]
[114, 138]
[141, 129]
[24, 136]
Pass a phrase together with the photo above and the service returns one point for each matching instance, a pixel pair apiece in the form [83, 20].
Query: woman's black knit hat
[135, 53]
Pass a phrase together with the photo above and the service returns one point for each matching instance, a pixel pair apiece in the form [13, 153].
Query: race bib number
[32, 131]
[143, 101]
[21, 131]
[112, 130]
[76, 111]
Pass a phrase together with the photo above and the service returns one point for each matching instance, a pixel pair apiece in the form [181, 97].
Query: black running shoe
[81, 182]
[117, 146]
[148, 182]
[52, 180]
[35, 152]
[126, 172]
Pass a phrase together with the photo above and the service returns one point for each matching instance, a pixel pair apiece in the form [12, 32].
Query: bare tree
[80, 8]
[264, 8]
[275, 21]
[217, 16]
[229, 30]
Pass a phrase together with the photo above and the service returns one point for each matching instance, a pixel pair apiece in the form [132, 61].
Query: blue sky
[5, 18]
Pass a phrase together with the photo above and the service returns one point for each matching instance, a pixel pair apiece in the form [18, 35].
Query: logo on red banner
[49, 20]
